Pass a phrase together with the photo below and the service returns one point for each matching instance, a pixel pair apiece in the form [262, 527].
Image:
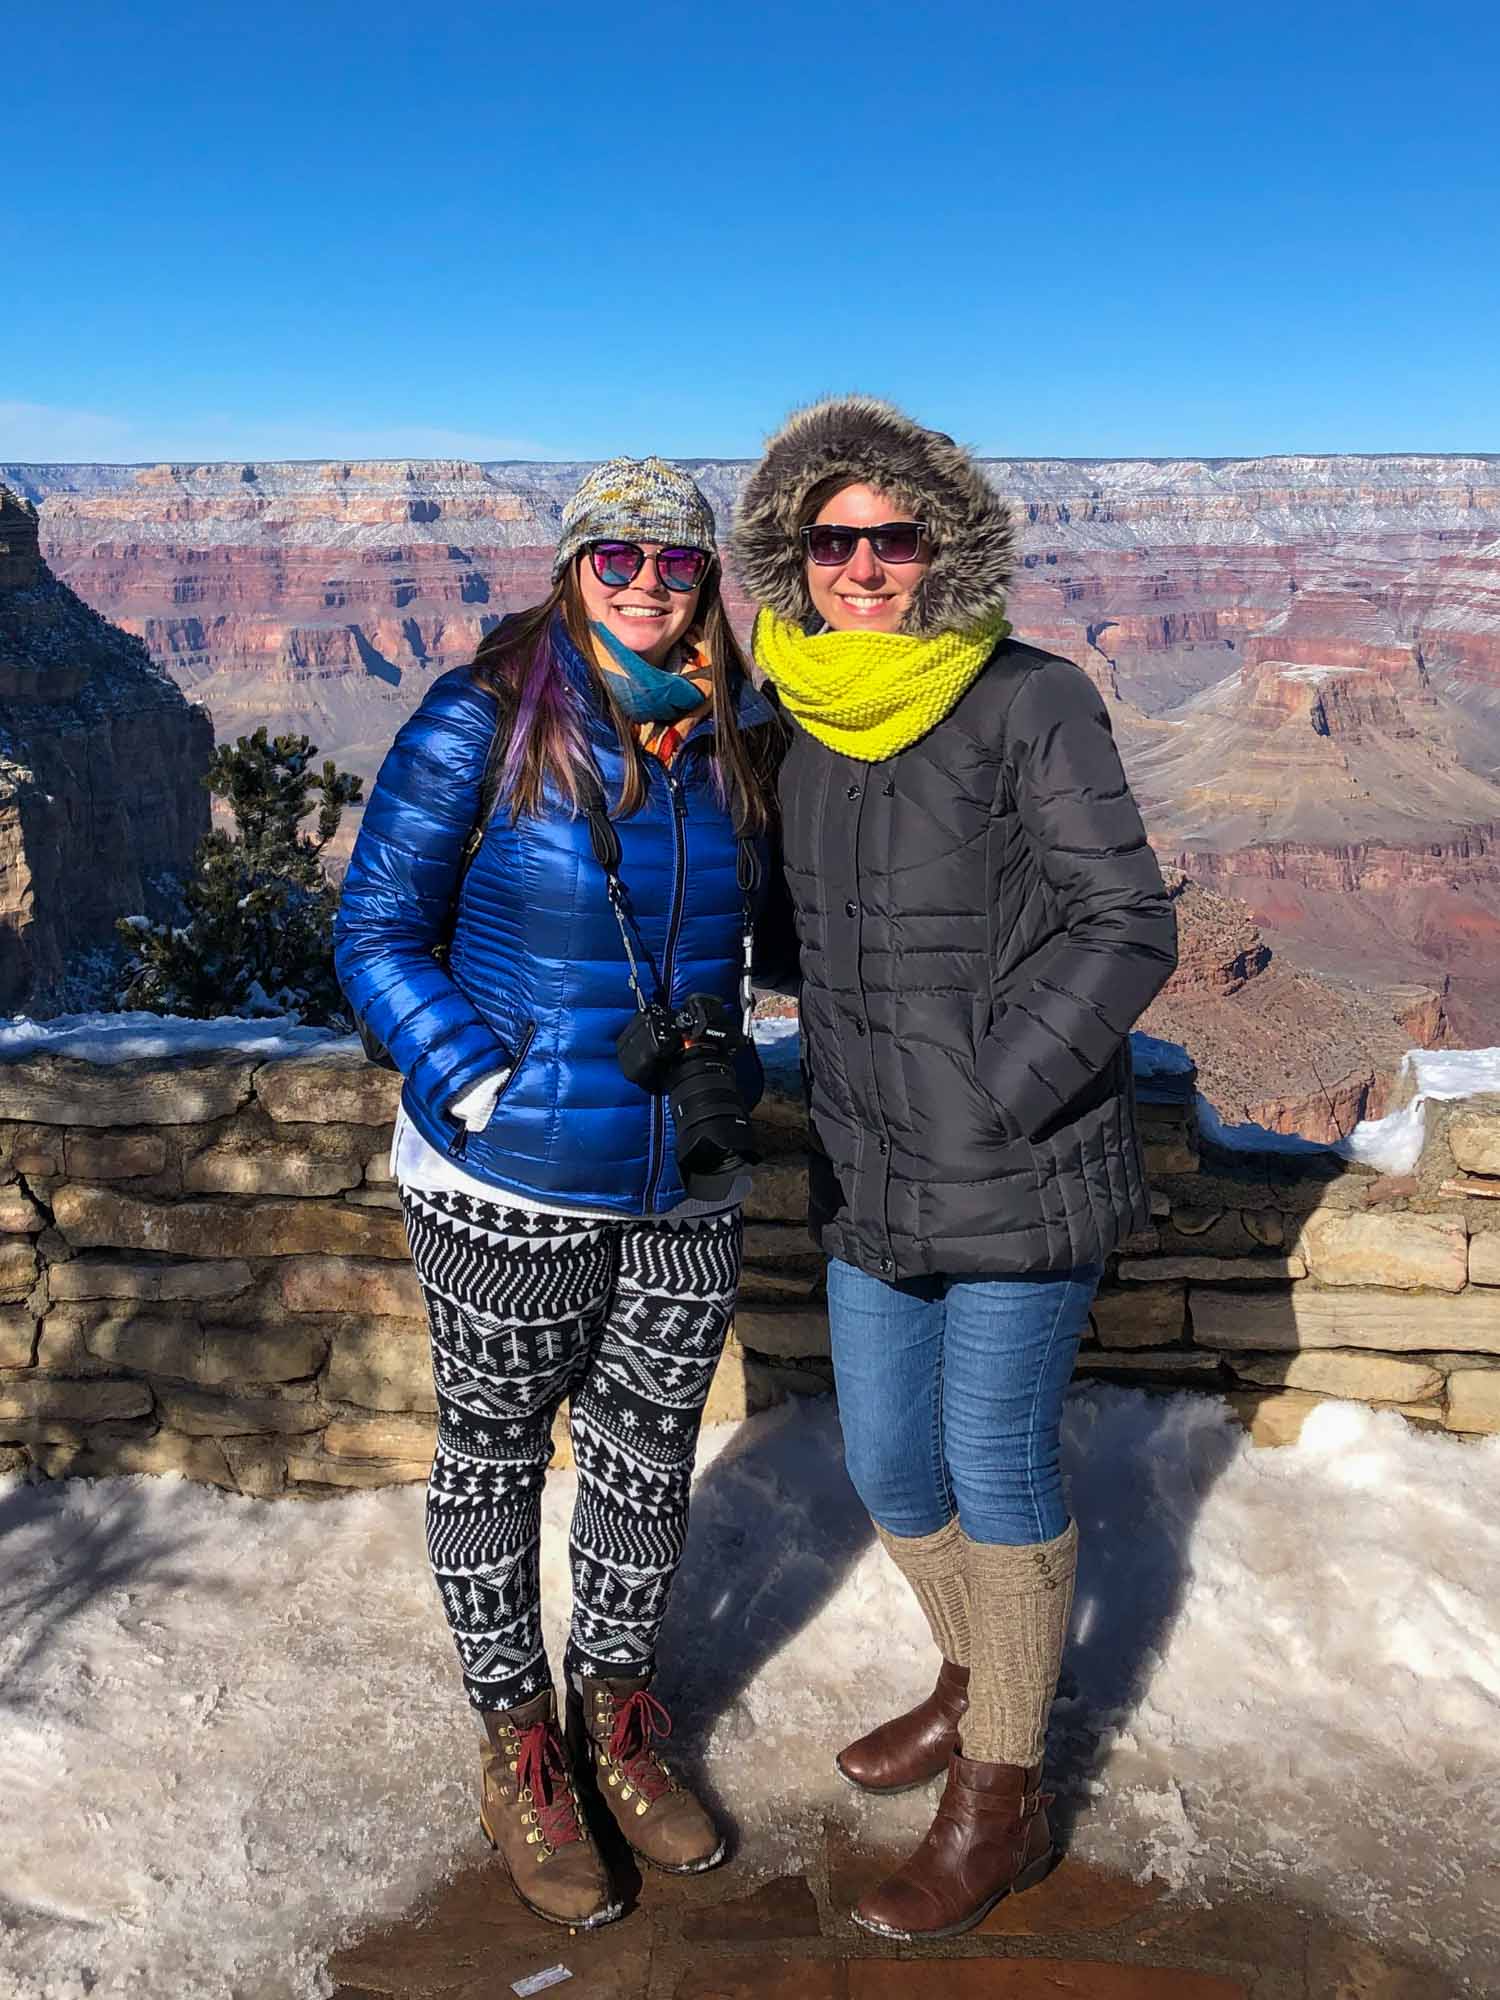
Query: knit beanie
[638, 500]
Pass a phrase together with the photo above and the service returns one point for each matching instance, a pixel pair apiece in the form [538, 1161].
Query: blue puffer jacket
[536, 974]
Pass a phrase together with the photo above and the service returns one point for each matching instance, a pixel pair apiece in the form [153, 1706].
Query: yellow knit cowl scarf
[870, 694]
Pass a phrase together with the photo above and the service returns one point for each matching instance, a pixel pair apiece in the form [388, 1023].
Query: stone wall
[203, 1269]
[1282, 1281]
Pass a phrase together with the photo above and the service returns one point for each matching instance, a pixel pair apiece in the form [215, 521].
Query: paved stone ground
[739, 1934]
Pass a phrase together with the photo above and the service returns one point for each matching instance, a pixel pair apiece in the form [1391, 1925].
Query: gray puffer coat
[981, 922]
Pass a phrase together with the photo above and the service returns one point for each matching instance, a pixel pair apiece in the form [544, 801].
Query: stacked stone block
[1284, 1281]
[203, 1270]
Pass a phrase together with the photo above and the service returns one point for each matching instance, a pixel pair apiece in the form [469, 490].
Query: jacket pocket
[458, 1144]
[989, 1069]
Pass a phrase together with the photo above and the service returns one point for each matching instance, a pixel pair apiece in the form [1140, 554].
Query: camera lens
[714, 1140]
[689, 1057]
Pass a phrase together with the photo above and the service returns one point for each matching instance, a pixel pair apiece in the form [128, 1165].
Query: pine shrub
[257, 932]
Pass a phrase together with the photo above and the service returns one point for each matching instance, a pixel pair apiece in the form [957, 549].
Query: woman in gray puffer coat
[981, 921]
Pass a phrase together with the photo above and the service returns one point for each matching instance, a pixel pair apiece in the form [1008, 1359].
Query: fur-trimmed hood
[973, 531]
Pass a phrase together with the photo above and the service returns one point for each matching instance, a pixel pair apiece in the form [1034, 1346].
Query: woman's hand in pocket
[477, 1106]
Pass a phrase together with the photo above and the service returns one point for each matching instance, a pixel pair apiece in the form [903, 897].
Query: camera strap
[604, 838]
[747, 871]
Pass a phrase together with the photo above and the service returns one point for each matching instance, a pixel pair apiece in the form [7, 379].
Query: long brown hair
[518, 664]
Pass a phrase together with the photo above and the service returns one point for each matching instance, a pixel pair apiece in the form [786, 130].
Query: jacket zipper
[458, 1145]
[679, 888]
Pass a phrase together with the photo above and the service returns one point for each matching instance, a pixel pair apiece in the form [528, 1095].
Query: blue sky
[315, 230]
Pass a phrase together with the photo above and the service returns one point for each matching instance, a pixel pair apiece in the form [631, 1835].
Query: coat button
[859, 1028]
[885, 1263]
[885, 1147]
[851, 909]
[852, 793]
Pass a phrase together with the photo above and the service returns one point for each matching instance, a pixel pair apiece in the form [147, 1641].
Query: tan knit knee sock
[1019, 1603]
[934, 1567]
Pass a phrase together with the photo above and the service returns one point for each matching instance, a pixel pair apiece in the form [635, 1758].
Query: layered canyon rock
[1275, 1045]
[1301, 656]
[1355, 810]
[101, 765]
[324, 596]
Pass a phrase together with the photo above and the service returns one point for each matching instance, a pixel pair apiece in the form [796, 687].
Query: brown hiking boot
[990, 1839]
[614, 1722]
[912, 1748]
[529, 1811]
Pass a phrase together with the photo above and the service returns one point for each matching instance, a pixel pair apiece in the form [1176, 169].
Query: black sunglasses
[618, 563]
[831, 544]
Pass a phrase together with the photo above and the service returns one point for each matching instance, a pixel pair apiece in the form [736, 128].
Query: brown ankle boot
[613, 1723]
[529, 1811]
[990, 1839]
[911, 1749]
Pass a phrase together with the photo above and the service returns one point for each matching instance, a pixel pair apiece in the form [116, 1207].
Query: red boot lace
[638, 1718]
[542, 1772]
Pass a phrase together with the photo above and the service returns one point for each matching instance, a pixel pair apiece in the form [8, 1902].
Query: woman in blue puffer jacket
[558, 1249]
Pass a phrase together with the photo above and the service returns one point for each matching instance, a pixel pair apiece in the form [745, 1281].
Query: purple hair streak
[546, 710]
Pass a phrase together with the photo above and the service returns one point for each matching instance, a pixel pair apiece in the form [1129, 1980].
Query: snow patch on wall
[1152, 1057]
[1249, 1137]
[129, 1037]
[1393, 1144]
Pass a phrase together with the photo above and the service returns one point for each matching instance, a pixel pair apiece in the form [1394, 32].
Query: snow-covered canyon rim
[1084, 503]
[231, 1732]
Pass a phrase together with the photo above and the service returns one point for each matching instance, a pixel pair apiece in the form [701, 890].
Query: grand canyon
[1301, 657]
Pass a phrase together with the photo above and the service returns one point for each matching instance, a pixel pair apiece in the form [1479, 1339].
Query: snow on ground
[1316, 674]
[231, 1731]
[124, 1037]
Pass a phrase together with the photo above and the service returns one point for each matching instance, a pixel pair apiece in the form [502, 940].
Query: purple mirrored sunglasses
[618, 563]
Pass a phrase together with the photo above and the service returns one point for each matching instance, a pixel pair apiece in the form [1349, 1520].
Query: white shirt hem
[417, 1165]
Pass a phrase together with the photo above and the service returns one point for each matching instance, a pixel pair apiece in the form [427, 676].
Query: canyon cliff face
[1350, 808]
[1275, 1044]
[1300, 655]
[101, 767]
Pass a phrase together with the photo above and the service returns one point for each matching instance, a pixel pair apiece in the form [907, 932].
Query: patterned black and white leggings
[627, 1319]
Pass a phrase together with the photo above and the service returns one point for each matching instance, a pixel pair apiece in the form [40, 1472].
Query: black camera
[687, 1056]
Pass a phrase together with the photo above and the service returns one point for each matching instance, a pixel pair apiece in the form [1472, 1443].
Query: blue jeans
[950, 1395]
